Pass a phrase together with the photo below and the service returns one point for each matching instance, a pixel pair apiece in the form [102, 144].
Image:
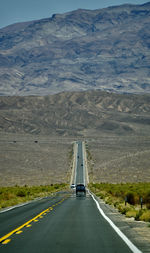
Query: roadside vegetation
[131, 199]
[10, 196]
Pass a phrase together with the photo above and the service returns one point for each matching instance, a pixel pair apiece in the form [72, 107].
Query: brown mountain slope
[76, 113]
[105, 49]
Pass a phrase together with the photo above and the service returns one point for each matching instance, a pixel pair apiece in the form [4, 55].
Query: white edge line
[118, 231]
[83, 162]
[72, 180]
[13, 207]
[75, 179]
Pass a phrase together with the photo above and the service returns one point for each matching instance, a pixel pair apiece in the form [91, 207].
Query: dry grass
[126, 198]
[10, 196]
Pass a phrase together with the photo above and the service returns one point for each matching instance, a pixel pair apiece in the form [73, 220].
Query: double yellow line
[5, 239]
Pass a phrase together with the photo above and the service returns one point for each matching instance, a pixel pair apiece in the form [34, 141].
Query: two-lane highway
[74, 225]
[80, 170]
[61, 224]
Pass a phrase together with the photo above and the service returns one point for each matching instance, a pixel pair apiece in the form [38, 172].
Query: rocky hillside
[107, 49]
[76, 114]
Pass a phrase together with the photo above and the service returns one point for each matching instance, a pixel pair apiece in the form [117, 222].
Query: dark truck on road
[80, 188]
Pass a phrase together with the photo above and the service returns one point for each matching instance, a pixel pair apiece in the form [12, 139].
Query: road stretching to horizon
[80, 169]
[62, 223]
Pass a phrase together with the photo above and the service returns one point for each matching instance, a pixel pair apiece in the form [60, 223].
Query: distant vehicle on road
[80, 188]
[73, 186]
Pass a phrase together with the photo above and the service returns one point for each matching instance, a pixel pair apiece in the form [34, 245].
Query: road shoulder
[138, 232]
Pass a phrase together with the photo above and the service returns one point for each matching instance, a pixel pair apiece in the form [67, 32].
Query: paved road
[80, 175]
[60, 224]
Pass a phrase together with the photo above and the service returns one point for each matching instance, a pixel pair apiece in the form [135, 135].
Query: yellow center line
[23, 225]
[29, 226]
[19, 232]
[6, 241]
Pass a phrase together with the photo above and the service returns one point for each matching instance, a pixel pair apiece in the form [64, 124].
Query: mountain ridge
[105, 49]
[83, 114]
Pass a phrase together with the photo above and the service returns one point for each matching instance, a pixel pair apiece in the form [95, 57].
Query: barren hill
[76, 114]
[107, 49]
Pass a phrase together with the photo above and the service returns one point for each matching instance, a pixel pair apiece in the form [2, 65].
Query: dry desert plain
[38, 160]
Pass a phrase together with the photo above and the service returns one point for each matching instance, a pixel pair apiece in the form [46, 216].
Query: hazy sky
[13, 11]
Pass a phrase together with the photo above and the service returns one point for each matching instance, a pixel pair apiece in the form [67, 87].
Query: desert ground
[117, 159]
[38, 160]
[34, 160]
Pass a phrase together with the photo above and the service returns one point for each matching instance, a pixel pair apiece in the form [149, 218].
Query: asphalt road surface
[80, 173]
[63, 223]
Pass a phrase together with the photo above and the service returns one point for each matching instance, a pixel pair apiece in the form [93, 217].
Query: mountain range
[106, 49]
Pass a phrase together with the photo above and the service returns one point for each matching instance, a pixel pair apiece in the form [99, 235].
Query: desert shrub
[56, 187]
[123, 209]
[131, 213]
[101, 194]
[21, 193]
[147, 199]
[116, 203]
[148, 206]
[7, 196]
[139, 214]
[108, 200]
[145, 216]
[4, 204]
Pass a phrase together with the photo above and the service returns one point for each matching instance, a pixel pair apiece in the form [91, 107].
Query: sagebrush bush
[131, 213]
[21, 193]
[145, 216]
[123, 209]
